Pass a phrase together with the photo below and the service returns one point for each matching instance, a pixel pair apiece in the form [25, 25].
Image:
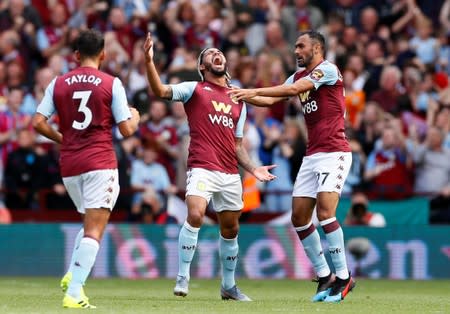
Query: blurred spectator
[3, 86]
[276, 44]
[355, 63]
[117, 58]
[371, 126]
[354, 99]
[277, 195]
[388, 95]
[388, 168]
[444, 16]
[17, 14]
[136, 78]
[443, 64]
[405, 14]
[9, 48]
[270, 72]
[355, 174]
[348, 9]
[56, 196]
[299, 17]
[442, 121]
[126, 150]
[251, 187]
[181, 125]
[369, 24]
[424, 44]
[149, 210]
[125, 33]
[264, 125]
[12, 120]
[53, 39]
[156, 129]
[433, 173]
[333, 27]
[43, 77]
[374, 54]
[199, 35]
[359, 213]
[146, 172]
[24, 173]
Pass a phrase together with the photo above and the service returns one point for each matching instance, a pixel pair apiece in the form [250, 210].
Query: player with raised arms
[216, 123]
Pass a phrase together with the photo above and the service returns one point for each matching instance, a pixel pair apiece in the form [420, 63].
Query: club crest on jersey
[317, 74]
[234, 100]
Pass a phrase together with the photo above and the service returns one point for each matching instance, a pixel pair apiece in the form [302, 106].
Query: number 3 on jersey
[84, 97]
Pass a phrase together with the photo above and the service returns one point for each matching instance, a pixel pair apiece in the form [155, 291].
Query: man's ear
[102, 55]
[77, 56]
[201, 67]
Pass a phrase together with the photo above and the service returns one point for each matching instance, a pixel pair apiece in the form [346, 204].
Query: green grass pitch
[42, 295]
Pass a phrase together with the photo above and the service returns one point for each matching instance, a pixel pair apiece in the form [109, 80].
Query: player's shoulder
[328, 66]
[326, 69]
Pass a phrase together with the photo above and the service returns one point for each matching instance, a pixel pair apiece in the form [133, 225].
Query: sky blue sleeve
[325, 73]
[183, 91]
[47, 107]
[289, 80]
[119, 105]
[240, 125]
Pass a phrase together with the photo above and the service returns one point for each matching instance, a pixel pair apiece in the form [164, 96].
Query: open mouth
[217, 60]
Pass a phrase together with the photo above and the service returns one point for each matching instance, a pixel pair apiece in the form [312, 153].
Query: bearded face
[214, 62]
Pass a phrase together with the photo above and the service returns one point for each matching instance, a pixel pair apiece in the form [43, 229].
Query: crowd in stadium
[394, 57]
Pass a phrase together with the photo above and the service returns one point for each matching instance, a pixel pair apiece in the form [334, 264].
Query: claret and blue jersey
[323, 108]
[207, 104]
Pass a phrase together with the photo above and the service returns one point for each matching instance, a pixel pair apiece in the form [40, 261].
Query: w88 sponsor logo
[309, 107]
[221, 120]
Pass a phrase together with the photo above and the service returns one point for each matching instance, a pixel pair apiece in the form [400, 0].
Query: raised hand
[148, 47]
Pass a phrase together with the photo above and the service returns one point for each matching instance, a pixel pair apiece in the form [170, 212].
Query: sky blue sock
[310, 239]
[187, 243]
[84, 260]
[335, 238]
[75, 247]
[228, 250]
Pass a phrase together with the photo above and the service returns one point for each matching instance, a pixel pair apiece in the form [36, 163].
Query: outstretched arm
[261, 101]
[261, 173]
[283, 91]
[160, 90]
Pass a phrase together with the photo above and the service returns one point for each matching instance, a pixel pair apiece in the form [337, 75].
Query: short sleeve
[47, 106]
[119, 105]
[183, 91]
[325, 73]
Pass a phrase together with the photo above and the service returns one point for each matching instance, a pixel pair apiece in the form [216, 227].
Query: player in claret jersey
[216, 124]
[88, 103]
[319, 87]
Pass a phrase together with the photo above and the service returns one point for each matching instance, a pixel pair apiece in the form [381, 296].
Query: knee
[323, 214]
[229, 231]
[298, 219]
[195, 219]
